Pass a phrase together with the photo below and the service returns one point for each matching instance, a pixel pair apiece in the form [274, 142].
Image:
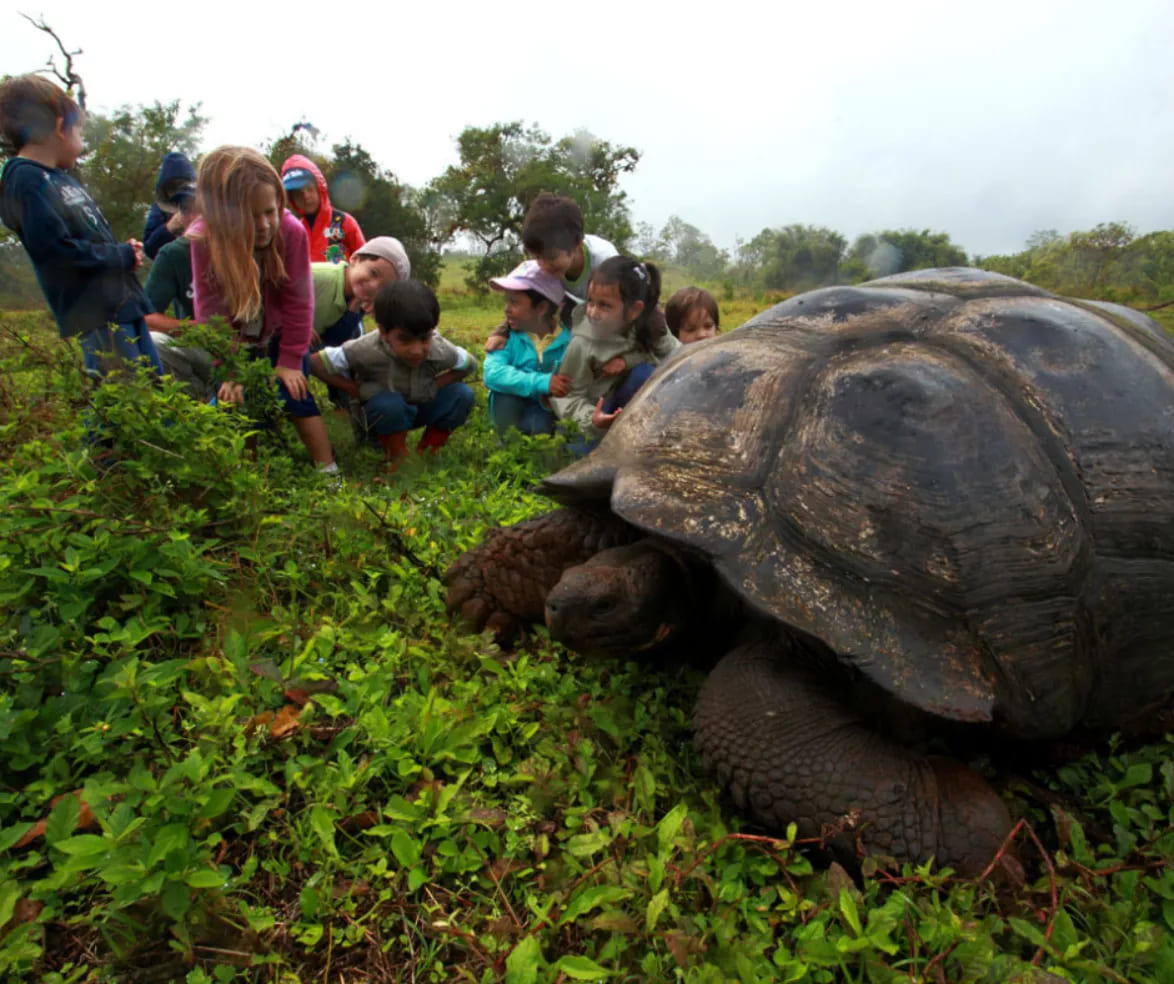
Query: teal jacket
[517, 370]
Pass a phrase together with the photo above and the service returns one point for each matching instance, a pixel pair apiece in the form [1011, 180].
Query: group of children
[583, 325]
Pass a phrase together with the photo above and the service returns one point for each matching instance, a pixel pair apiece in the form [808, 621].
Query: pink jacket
[289, 306]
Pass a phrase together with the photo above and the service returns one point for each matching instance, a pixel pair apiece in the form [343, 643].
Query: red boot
[434, 438]
[395, 446]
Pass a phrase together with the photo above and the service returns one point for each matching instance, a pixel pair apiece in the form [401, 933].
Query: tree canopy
[504, 167]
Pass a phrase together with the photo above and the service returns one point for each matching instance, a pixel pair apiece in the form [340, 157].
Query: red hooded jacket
[332, 226]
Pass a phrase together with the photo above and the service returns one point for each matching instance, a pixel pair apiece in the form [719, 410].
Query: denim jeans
[389, 413]
[111, 346]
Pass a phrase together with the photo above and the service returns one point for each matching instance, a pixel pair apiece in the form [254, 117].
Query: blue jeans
[389, 413]
[527, 415]
[104, 348]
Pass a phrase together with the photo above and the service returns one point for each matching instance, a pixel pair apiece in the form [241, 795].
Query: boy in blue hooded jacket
[522, 376]
[86, 274]
[165, 223]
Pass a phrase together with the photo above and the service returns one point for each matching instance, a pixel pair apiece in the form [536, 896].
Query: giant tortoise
[947, 490]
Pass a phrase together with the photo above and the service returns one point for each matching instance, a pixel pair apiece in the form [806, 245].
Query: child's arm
[326, 364]
[575, 405]
[455, 362]
[502, 377]
[665, 346]
[497, 338]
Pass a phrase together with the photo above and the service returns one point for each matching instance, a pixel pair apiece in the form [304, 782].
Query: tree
[123, 154]
[383, 207]
[897, 250]
[687, 246]
[1097, 249]
[502, 170]
[793, 257]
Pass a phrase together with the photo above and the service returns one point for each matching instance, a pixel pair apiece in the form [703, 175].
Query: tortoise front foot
[501, 585]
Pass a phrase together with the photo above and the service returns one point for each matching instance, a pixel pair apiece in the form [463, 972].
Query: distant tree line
[501, 168]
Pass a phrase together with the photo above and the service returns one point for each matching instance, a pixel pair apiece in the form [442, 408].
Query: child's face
[605, 308]
[407, 348]
[69, 146]
[266, 216]
[556, 262]
[367, 275]
[521, 313]
[305, 199]
[697, 325]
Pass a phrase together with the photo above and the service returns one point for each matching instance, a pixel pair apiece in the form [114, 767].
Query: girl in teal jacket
[523, 376]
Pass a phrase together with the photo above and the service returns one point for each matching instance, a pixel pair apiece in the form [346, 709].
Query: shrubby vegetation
[242, 741]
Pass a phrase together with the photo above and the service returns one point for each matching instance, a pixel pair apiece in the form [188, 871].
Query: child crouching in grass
[618, 340]
[522, 376]
[251, 265]
[405, 375]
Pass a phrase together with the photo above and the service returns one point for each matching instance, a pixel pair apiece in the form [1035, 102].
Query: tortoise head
[627, 599]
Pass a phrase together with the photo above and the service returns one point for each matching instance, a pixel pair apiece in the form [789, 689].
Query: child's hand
[603, 420]
[176, 224]
[560, 385]
[295, 382]
[613, 367]
[138, 248]
[230, 393]
[494, 342]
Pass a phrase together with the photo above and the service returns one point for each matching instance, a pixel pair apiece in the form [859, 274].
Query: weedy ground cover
[241, 740]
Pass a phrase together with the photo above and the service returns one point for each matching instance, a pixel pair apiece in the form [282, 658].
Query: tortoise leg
[502, 584]
[790, 752]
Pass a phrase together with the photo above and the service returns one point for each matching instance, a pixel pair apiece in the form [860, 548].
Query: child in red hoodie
[334, 234]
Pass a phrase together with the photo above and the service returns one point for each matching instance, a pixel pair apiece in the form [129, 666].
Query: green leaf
[9, 896]
[656, 906]
[322, 823]
[175, 900]
[669, 827]
[62, 819]
[217, 802]
[581, 968]
[172, 837]
[416, 878]
[849, 912]
[521, 966]
[205, 878]
[405, 849]
[645, 785]
[589, 897]
[83, 845]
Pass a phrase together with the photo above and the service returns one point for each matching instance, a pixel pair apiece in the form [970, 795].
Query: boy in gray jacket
[406, 374]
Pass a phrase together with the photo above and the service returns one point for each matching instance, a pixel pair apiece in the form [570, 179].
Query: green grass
[299, 769]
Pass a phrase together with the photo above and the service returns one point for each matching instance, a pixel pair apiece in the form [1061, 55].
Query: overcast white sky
[986, 120]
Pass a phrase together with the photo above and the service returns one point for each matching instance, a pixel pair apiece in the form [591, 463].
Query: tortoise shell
[960, 483]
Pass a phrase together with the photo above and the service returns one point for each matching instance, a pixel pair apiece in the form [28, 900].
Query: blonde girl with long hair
[251, 265]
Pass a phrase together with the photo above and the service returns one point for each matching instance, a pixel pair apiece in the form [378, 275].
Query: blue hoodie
[156, 235]
[86, 275]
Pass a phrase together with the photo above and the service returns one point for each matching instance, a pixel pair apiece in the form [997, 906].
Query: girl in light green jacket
[618, 338]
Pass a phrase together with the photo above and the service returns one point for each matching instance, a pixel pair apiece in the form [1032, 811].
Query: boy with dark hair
[87, 276]
[552, 233]
[405, 374]
[344, 291]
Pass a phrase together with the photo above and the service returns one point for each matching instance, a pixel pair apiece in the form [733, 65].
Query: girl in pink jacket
[251, 265]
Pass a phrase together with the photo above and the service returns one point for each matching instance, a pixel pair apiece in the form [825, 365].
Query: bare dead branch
[68, 76]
